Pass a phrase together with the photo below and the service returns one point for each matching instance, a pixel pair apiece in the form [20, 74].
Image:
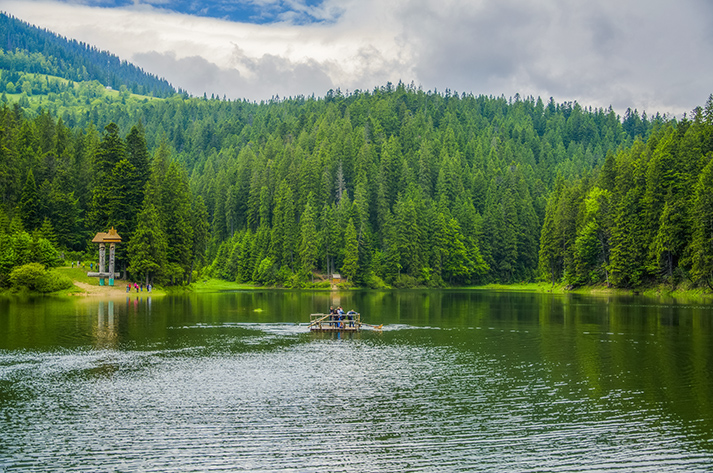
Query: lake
[455, 381]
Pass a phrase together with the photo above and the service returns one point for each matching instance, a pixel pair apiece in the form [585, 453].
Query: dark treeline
[393, 186]
[28, 49]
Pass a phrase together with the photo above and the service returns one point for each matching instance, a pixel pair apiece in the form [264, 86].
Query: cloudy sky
[653, 55]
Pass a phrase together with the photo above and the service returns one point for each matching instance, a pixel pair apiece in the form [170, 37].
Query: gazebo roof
[109, 237]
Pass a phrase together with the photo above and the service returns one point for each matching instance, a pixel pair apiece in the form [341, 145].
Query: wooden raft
[333, 322]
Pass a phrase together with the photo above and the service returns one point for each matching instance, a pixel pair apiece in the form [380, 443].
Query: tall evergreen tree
[351, 252]
[199, 225]
[138, 155]
[148, 248]
[29, 204]
[309, 245]
[109, 153]
[702, 244]
[176, 210]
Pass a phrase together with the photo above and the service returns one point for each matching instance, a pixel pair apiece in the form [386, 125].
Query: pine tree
[138, 155]
[457, 266]
[29, 204]
[109, 153]
[351, 252]
[408, 236]
[702, 244]
[125, 198]
[670, 240]
[550, 256]
[176, 210]
[628, 254]
[46, 231]
[149, 246]
[308, 238]
[199, 224]
[284, 229]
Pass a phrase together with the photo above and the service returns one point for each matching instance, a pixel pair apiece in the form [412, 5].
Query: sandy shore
[104, 291]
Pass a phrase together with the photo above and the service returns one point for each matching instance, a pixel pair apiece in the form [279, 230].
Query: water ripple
[373, 402]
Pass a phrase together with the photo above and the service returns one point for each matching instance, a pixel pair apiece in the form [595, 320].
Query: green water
[456, 381]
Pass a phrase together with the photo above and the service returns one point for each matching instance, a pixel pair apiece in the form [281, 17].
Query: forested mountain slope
[27, 49]
[392, 186]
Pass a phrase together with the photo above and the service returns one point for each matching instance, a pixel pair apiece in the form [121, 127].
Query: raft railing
[325, 322]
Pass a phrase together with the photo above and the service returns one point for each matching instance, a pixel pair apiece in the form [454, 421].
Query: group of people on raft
[338, 316]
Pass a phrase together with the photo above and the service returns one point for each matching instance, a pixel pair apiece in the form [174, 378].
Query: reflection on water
[456, 381]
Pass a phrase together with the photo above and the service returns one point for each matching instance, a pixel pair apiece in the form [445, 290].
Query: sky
[649, 55]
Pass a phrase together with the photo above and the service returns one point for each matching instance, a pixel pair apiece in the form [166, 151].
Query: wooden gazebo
[112, 238]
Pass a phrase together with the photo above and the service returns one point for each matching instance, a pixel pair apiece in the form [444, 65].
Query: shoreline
[84, 286]
[657, 292]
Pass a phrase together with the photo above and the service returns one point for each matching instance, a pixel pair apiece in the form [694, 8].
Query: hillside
[26, 48]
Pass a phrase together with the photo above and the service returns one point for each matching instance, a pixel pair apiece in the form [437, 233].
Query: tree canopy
[393, 186]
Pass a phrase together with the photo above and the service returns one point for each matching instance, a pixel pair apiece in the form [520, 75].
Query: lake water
[456, 381]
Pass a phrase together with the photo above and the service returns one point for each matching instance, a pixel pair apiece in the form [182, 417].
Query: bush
[53, 281]
[375, 282]
[34, 277]
[27, 275]
[404, 281]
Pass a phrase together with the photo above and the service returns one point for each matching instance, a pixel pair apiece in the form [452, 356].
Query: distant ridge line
[72, 59]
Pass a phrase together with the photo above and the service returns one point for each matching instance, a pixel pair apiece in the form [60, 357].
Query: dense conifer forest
[394, 186]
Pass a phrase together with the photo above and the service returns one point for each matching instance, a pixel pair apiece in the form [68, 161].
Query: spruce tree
[199, 224]
[109, 153]
[176, 210]
[138, 155]
[29, 204]
[148, 248]
[351, 252]
[702, 243]
[309, 245]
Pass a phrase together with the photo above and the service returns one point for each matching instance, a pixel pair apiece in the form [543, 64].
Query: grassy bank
[660, 291]
[87, 286]
[218, 285]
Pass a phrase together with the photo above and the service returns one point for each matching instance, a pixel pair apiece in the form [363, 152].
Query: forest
[392, 187]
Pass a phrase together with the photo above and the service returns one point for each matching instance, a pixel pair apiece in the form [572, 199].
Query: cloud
[639, 54]
[268, 75]
[645, 54]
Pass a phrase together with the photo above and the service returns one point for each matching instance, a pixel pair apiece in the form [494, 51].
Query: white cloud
[653, 55]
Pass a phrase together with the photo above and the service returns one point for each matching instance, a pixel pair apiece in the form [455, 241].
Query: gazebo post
[112, 247]
[102, 258]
